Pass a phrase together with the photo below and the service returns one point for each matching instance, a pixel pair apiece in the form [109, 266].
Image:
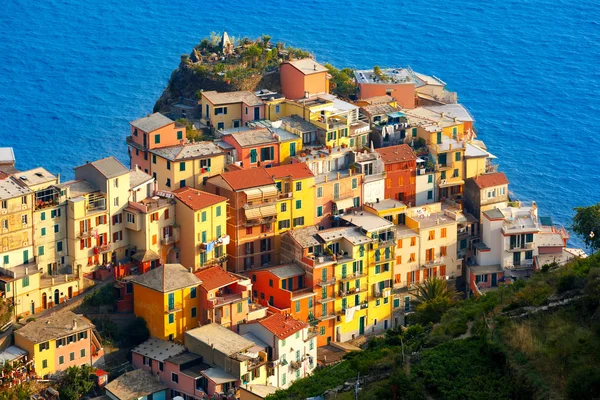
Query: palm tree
[266, 39]
[434, 289]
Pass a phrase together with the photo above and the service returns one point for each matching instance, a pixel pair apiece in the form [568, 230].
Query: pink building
[300, 78]
[483, 278]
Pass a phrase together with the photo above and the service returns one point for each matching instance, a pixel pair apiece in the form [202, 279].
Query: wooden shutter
[425, 274]
[89, 243]
[89, 224]
[408, 278]
[81, 244]
[81, 227]
[97, 221]
[442, 270]
[417, 276]
[435, 271]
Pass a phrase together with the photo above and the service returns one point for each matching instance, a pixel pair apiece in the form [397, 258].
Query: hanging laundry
[210, 246]
[226, 239]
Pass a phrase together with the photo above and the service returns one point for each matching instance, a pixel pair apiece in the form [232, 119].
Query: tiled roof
[135, 384]
[138, 177]
[176, 277]
[215, 277]
[11, 187]
[242, 96]
[286, 271]
[378, 109]
[197, 199]
[395, 154]
[188, 151]
[35, 176]
[54, 327]
[307, 66]
[490, 180]
[110, 167]
[281, 325]
[218, 337]
[248, 178]
[151, 122]
[295, 171]
[254, 137]
[305, 237]
[296, 122]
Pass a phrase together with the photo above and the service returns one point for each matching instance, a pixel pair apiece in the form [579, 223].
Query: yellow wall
[192, 174]
[18, 234]
[33, 350]
[306, 195]
[475, 167]
[234, 112]
[152, 306]
[284, 150]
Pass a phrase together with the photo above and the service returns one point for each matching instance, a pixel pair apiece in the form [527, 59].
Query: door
[32, 307]
[44, 301]
[361, 326]
[56, 297]
[494, 280]
[292, 149]
[256, 113]
[517, 258]
[70, 292]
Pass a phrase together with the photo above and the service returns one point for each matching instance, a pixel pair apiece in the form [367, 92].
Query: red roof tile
[296, 171]
[281, 325]
[247, 178]
[215, 277]
[197, 199]
[396, 154]
[491, 180]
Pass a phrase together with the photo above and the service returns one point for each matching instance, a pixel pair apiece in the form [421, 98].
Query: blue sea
[73, 73]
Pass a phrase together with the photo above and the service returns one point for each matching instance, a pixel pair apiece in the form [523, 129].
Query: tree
[586, 223]
[434, 289]
[76, 382]
[252, 53]
[265, 40]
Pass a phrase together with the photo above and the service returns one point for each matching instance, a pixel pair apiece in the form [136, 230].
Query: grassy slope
[548, 354]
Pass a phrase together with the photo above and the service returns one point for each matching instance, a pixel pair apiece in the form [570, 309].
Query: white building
[424, 184]
[294, 353]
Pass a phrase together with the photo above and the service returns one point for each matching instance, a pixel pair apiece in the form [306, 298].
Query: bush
[584, 383]
[105, 296]
[136, 332]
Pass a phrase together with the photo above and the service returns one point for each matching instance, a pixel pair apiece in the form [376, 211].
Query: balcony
[352, 291]
[218, 260]
[523, 247]
[174, 237]
[85, 234]
[47, 198]
[259, 221]
[434, 262]
[328, 282]
[301, 292]
[130, 141]
[103, 248]
[295, 365]
[353, 276]
[174, 307]
[95, 202]
[218, 301]
[326, 300]
[522, 264]
[385, 292]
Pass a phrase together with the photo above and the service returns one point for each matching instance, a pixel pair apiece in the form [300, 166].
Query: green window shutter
[43, 231]
[457, 156]
[157, 139]
[203, 216]
[253, 156]
[430, 179]
[182, 166]
[179, 135]
[298, 204]
[203, 236]
[218, 211]
[43, 216]
[218, 230]
[414, 132]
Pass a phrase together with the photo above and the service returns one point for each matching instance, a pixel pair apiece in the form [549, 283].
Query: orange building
[401, 172]
[399, 83]
[285, 289]
[152, 132]
[252, 211]
[302, 77]
[255, 147]
[224, 298]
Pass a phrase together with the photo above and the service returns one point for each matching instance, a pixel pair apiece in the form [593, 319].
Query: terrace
[47, 198]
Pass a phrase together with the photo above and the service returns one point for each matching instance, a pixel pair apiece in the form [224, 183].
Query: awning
[269, 191]
[345, 203]
[252, 213]
[268, 211]
[253, 194]
[396, 114]
[451, 183]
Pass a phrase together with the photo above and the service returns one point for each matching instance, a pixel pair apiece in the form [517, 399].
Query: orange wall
[294, 83]
[168, 136]
[403, 93]
[327, 200]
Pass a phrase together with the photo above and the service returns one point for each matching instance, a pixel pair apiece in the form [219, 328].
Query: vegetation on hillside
[535, 339]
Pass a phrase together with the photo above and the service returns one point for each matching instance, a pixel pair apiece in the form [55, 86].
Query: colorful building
[152, 132]
[252, 209]
[60, 341]
[302, 78]
[230, 109]
[294, 347]
[225, 298]
[166, 297]
[338, 187]
[16, 220]
[485, 192]
[401, 172]
[202, 218]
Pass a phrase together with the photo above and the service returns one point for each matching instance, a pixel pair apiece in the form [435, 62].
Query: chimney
[378, 200]
[338, 175]
[74, 324]
[315, 67]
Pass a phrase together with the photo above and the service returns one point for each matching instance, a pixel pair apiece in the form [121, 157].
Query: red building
[401, 172]
[285, 289]
[255, 147]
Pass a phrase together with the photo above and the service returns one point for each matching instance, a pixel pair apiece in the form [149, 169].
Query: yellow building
[445, 137]
[188, 164]
[296, 201]
[58, 342]
[337, 121]
[230, 109]
[16, 222]
[166, 297]
[202, 217]
[478, 160]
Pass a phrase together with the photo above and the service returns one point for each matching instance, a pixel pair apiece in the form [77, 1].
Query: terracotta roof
[395, 154]
[307, 66]
[54, 327]
[248, 178]
[151, 122]
[490, 180]
[281, 325]
[197, 199]
[242, 96]
[215, 277]
[295, 171]
[176, 277]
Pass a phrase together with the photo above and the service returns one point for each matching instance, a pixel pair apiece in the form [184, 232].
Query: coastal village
[304, 226]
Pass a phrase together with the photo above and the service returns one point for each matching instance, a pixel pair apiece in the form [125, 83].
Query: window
[220, 110]
[168, 165]
[43, 216]
[298, 186]
[267, 154]
[43, 231]
[297, 306]
[25, 281]
[502, 191]
[457, 156]
[322, 331]
[271, 282]
[284, 224]
[283, 379]
[429, 194]
[59, 246]
[443, 251]
[443, 175]
[298, 221]
[432, 234]
[82, 335]
[174, 377]
[179, 135]
[283, 207]
[239, 308]
[253, 156]
[320, 211]
[61, 360]
[248, 232]
[356, 201]
[277, 108]
[72, 356]
[298, 204]
[4, 224]
[320, 192]
[455, 174]
[443, 232]
[156, 139]
[311, 345]
[430, 179]
[412, 257]
[44, 363]
[193, 312]
[171, 318]
[193, 293]
[168, 183]
[24, 219]
[116, 202]
[117, 236]
[44, 346]
[24, 200]
[153, 158]
[182, 166]
[182, 183]
[130, 218]
[218, 211]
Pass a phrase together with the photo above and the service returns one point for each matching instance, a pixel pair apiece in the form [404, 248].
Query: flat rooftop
[36, 176]
[350, 233]
[10, 187]
[367, 221]
[157, 349]
[386, 204]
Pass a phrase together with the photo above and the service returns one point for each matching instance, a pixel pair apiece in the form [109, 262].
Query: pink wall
[244, 153]
[294, 83]
[327, 201]
[76, 348]
[250, 115]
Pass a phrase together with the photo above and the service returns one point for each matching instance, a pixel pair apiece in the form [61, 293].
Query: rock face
[191, 77]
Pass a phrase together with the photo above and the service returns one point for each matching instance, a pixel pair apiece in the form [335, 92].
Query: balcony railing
[85, 234]
[525, 264]
[353, 276]
[216, 260]
[328, 282]
[522, 247]
[103, 248]
[175, 307]
[352, 291]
